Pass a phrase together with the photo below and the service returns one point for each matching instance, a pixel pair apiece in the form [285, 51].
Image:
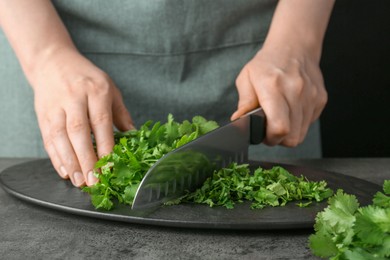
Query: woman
[91, 62]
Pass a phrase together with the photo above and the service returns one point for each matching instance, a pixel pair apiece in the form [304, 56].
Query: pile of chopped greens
[121, 172]
[346, 231]
[265, 187]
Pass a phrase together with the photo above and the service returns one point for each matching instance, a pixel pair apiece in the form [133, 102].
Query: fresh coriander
[135, 152]
[121, 172]
[265, 187]
[344, 230]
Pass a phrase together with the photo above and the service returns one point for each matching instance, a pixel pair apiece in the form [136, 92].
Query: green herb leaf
[346, 231]
[323, 245]
[386, 187]
[266, 187]
[381, 200]
[135, 152]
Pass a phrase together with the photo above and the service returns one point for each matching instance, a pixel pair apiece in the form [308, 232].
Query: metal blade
[187, 167]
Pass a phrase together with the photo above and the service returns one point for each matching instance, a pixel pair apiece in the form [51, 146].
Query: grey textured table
[32, 232]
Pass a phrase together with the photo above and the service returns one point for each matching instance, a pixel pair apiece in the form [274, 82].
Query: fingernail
[132, 127]
[234, 116]
[63, 172]
[91, 178]
[78, 179]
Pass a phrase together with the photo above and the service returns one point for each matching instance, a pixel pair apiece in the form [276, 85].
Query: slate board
[38, 183]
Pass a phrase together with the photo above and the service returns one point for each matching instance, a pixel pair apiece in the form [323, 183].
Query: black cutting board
[38, 183]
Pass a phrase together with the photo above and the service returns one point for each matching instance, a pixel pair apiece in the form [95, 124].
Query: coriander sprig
[344, 230]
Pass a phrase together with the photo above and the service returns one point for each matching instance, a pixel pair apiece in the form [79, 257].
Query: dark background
[355, 64]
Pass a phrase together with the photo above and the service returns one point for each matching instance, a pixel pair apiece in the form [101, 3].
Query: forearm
[34, 30]
[300, 23]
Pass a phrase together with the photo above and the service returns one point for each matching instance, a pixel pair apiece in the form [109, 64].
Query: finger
[50, 149]
[277, 112]
[64, 150]
[315, 114]
[297, 125]
[305, 126]
[247, 100]
[295, 96]
[55, 160]
[100, 117]
[318, 94]
[121, 116]
[79, 132]
[319, 97]
[323, 99]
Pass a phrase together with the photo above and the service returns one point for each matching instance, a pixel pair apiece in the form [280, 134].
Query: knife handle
[257, 126]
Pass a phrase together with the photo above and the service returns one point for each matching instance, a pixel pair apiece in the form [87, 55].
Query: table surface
[33, 232]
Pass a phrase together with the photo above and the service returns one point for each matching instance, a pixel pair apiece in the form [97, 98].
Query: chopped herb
[135, 151]
[121, 172]
[265, 187]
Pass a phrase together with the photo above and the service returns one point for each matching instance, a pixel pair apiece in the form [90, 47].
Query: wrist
[294, 45]
[300, 25]
[36, 62]
[34, 30]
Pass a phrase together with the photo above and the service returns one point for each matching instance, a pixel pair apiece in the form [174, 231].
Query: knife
[187, 167]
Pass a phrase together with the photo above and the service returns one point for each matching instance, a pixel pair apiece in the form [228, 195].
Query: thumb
[247, 98]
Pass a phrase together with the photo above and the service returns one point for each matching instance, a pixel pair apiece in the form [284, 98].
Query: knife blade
[187, 167]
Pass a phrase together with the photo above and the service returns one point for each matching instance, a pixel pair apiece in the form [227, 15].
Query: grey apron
[166, 56]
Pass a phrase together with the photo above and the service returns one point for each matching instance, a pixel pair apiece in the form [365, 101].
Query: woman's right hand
[74, 98]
